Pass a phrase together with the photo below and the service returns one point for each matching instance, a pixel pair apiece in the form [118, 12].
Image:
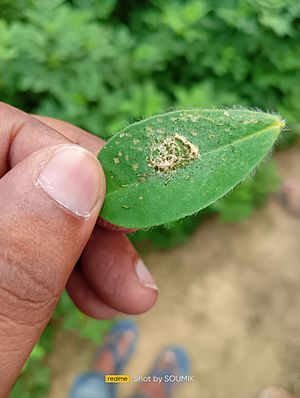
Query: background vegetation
[102, 63]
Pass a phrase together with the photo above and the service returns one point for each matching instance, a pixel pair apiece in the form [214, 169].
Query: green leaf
[249, 195]
[173, 165]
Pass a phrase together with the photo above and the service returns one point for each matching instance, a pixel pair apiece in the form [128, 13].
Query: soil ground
[230, 296]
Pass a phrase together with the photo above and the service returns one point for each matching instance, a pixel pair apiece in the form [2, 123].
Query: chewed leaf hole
[172, 153]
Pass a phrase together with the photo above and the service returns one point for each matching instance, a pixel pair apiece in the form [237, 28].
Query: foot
[171, 361]
[275, 392]
[289, 196]
[117, 349]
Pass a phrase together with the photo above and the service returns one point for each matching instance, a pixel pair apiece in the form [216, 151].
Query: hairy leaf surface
[175, 164]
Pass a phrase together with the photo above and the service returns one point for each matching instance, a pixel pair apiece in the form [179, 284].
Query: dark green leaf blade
[173, 165]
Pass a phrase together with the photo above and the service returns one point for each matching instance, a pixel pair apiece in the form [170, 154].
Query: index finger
[89, 142]
[75, 134]
[22, 134]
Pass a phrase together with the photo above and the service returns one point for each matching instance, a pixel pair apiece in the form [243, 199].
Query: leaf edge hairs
[181, 162]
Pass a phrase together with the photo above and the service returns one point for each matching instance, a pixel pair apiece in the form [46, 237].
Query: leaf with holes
[173, 165]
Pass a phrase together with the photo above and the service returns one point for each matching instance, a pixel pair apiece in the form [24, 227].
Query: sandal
[112, 345]
[180, 368]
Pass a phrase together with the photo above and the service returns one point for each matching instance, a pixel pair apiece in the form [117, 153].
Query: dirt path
[231, 297]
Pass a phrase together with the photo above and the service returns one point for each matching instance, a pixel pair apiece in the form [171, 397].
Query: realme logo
[117, 379]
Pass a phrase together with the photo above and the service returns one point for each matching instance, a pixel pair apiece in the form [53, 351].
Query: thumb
[49, 204]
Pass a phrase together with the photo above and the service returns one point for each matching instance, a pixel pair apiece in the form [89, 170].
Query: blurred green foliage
[102, 63]
[249, 195]
[35, 378]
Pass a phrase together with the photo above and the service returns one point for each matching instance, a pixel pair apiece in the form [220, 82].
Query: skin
[44, 247]
[38, 257]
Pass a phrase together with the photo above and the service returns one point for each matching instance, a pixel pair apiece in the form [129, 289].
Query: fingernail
[144, 275]
[73, 177]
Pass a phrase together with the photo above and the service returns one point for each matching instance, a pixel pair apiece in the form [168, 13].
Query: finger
[30, 134]
[88, 141]
[113, 227]
[90, 306]
[80, 290]
[119, 277]
[84, 297]
[22, 134]
[74, 134]
[48, 207]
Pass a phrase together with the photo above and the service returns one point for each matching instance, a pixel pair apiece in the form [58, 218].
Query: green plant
[175, 164]
[97, 63]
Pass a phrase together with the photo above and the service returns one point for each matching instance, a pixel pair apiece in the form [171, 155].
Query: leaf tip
[281, 123]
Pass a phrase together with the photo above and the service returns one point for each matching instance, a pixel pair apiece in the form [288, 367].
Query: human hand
[51, 191]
